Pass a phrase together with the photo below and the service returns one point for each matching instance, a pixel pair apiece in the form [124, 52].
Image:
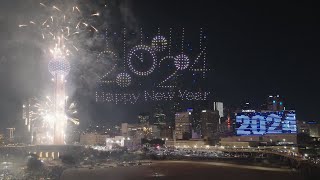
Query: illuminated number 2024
[272, 124]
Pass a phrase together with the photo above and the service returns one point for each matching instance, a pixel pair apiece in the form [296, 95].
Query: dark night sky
[255, 49]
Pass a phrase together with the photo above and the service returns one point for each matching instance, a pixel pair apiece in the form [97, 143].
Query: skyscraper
[183, 125]
[209, 123]
[219, 107]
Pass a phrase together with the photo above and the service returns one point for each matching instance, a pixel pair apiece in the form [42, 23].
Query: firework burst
[60, 25]
[43, 117]
[43, 110]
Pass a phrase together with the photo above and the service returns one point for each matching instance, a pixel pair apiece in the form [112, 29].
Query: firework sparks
[43, 5]
[23, 25]
[43, 117]
[96, 14]
[61, 22]
[77, 9]
[54, 7]
[94, 28]
[44, 107]
[59, 27]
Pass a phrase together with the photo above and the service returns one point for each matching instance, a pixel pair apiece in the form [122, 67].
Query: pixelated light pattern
[138, 61]
[165, 80]
[123, 80]
[145, 96]
[108, 57]
[137, 52]
[181, 61]
[161, 84]
[124, 48]
[170, 42]
[59, 67]
[165, 58]
[182, 40]
[159, 43]
[199, 64]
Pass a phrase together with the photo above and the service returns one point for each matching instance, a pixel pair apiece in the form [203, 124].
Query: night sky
[254, 49]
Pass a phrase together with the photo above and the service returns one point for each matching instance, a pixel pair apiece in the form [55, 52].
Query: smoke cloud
[24, 60]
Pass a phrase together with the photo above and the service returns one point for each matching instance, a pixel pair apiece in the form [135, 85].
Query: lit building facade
[139, 131]
[143, 118]
[134, 133]
[183, 125]
[115, 142]
[93, 139]
[311, 128]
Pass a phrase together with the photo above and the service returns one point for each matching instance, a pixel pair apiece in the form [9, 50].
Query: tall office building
[159, 117]
[209, 123]
[219, 107]
[183, 125]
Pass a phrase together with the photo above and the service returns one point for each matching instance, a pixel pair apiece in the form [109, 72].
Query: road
[183, 170]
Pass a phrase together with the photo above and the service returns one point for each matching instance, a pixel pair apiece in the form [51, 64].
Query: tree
[34, 164]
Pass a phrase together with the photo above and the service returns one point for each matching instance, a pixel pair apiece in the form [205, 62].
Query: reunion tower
[59, 68]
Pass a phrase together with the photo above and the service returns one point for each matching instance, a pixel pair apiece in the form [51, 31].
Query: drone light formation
[136, 52]
[181, 62]
[163, 57]
[159, 43]
[123, 79]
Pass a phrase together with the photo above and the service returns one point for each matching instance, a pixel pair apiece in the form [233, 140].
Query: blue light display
[260, 123]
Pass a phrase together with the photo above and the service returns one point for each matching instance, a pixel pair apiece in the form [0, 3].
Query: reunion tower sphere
[59, 66]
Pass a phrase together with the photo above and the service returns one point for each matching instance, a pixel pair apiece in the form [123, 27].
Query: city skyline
[250, 56]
